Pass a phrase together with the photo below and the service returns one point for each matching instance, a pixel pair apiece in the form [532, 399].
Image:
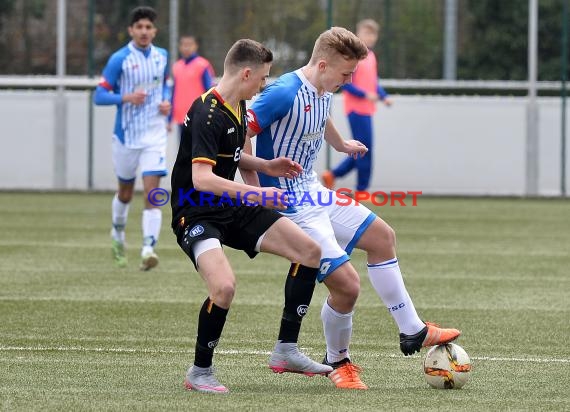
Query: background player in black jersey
[210, 209]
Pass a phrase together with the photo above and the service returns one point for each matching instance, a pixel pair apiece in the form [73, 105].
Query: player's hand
[164, 107]
[354, 148]
[387, 102]
[273, 198]
[373, 97]
[283, 167]
[137, 97]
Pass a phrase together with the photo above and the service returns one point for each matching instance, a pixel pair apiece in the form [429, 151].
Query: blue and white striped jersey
[289, 118]
[130, 69]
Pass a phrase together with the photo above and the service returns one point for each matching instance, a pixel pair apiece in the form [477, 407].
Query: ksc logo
[213, 343]
[302, 310]
[196, 231]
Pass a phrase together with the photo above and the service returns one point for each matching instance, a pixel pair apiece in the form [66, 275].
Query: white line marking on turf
[244, 352]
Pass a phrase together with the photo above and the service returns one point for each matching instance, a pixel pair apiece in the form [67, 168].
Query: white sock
[119, 215]
[151, 223]
[387, 280]
[338, 330]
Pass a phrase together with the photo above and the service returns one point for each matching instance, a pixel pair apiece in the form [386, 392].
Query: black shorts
[238, 227]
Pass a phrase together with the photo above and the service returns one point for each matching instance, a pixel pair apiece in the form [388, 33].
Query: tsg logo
[396, 307]
[302, 310]
[196, 231]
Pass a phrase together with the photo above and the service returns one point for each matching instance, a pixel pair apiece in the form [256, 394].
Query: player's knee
[352, 289]
[346, 292]
[386, 237]
[226, 291]
[389, 236]
[312, 255]
[125, 196]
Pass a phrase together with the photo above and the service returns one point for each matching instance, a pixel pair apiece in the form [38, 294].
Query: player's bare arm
[248, 173]
[353, 148]
[278, 167]
[205, 180]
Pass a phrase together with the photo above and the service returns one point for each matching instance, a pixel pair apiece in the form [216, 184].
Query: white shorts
[336, 227]
[151, 159]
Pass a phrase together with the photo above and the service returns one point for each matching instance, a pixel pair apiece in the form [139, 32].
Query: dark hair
[142, 12]
[246, 52]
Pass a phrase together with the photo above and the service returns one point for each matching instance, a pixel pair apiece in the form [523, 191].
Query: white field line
[245, 352]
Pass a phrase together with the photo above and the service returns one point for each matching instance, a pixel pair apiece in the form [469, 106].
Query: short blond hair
[339, 41]
[368, 24]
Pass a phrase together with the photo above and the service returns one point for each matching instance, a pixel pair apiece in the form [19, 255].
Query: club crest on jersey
[196, 230]
[307, 108]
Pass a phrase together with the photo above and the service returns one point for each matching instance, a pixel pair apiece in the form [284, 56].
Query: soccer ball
[447, 366]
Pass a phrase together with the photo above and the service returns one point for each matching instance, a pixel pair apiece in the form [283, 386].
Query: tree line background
[491, 38]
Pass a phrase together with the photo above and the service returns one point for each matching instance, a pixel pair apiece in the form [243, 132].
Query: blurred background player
[192, 75]
[360, 97]
[291, 118]
[134, 80]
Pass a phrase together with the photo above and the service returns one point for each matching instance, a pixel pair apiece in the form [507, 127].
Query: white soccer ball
[447, 366]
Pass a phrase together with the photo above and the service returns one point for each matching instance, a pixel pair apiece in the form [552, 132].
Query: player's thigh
[349, 221]
[315, 222]
[343, 281]
[153, 161]
[125, 161]
[215, 269]
[285, 238]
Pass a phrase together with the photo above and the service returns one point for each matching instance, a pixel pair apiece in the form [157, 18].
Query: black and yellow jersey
[213, 133]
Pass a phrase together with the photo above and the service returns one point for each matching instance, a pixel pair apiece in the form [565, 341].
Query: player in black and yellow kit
[210, 210]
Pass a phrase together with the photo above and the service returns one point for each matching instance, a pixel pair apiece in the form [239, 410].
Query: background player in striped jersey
[291, 118]
[360, 98]
[134, 80]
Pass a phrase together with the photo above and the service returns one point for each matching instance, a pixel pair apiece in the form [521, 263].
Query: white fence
[435, 144]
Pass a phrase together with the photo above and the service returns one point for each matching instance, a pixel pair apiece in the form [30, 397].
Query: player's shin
[299, 288]
[286, 356]
[387, 280]
[210, 324]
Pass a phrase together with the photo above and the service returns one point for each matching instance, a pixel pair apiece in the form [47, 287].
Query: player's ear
[322, 65]
[246, 73]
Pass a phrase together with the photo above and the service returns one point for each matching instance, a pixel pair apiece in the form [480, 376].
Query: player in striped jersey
[134, 80]
[291, 118]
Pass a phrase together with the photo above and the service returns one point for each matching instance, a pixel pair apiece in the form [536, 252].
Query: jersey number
[237, 154]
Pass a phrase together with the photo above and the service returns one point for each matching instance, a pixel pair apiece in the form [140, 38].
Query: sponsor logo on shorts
[196, 231]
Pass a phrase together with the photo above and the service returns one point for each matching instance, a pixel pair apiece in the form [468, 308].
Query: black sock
[210, 324]
[299, 289]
